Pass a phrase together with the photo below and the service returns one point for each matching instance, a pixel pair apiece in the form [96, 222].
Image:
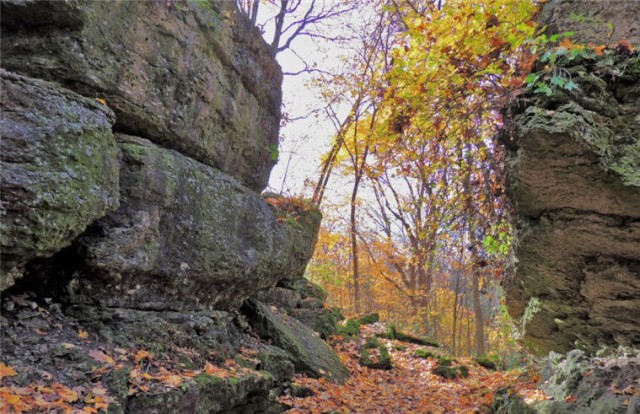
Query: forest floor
[51, 364]
[410, 386]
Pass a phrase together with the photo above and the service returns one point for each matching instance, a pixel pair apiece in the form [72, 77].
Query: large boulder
[192, 76]
[307, 351]
[59, 169]
[186, 236]
[576, 384]
[574, 170]
[303, 300]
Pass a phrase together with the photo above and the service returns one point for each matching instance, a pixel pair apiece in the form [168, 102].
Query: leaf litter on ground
[409, 387]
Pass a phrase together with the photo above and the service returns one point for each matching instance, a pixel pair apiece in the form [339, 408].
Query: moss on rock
[59, 168]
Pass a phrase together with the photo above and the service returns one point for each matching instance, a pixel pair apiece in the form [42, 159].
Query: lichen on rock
[186, 236]
[192, 76]
[573, 164]
[308, 352]
[59, 169]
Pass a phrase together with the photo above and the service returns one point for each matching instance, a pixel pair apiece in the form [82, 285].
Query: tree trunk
[354, 245]
[479, 320]
[455, 316]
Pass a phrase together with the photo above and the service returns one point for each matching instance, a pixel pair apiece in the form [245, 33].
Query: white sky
[304, 141]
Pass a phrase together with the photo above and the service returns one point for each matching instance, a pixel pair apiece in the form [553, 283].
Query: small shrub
[424, 353]
[487, 363]
[369, 319]
[350, 328]
[444, 361]
[372, 343]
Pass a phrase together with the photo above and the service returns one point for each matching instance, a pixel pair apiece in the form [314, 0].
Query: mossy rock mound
[351, 326]
[394, 333]
[307, 351]
[425, 353]
[451, 372]
[487, 363]
[375, 355]
[210, 394]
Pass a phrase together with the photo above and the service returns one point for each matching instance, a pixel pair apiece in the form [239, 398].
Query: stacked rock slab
[304, 301]
[59, 165]
[574, 168]
[136, 139]
[191, 76]
[197, 80]
[186, 236]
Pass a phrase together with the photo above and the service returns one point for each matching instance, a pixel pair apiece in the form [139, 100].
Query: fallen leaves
[6, 371]
[409, 387]
[142, 355]
[54, 398]
[101, 357]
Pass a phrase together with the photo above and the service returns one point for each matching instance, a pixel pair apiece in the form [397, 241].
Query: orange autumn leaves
[146, 375]
[409, 387]
[55, 397]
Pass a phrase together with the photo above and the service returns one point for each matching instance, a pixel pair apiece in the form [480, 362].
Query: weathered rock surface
[59, 169]
[209, 394]
[179, 341]
[303, 300]
[201, 331]
[185, 237]
[277, 362]
[129, 203]
[574, 170]
[308, 352]
[599, 22]
[577, 384]
[191, 76]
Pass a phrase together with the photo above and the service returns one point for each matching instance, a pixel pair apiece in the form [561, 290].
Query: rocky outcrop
[38, 339]
[59, 164]
[304, 301]
[210, 394]
[185, 237]
[191, 76]
[308, 352]
[577, 384]
[130, 207]
[573, 166]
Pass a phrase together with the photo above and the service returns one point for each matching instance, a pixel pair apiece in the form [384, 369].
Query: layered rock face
[59, 166]
[136, 137]
[186, 236]
[574, 169]
[192, 76]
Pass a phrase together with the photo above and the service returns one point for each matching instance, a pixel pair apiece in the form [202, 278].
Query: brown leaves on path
[409, 387]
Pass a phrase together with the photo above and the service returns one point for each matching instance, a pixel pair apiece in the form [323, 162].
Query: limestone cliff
[574, 171]
[136, 137]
